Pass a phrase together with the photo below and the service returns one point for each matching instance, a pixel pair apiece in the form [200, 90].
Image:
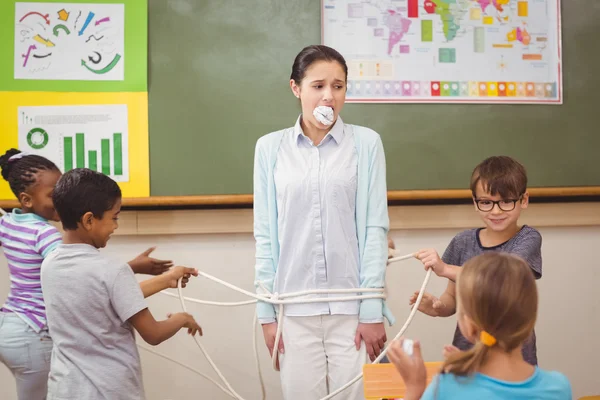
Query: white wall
[568, 326]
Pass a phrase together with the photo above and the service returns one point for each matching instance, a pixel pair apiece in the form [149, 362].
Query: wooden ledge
[237, 200]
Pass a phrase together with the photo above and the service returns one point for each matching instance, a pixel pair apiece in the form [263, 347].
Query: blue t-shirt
[542, 385]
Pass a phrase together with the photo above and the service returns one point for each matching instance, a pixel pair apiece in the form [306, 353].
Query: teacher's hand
[374, 337]
[270, 332]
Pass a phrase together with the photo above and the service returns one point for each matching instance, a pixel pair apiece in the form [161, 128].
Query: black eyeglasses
[504, 205]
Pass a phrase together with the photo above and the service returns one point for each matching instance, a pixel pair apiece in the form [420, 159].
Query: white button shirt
[316, 198]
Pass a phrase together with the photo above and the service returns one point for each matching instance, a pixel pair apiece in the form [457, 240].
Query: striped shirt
[26, 240]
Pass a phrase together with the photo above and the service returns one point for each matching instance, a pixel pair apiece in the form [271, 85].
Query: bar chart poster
[85, 136]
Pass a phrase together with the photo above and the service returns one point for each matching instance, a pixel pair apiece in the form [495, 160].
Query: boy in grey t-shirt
[499, 188]
[94, 303]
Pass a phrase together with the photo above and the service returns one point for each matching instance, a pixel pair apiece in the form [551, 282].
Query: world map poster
[447, 51]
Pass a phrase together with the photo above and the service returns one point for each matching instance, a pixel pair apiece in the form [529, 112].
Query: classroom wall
[567, 329]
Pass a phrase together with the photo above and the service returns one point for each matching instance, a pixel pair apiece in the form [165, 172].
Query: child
[27, 237]
[497, 309]
[93, 303]
[499, 188]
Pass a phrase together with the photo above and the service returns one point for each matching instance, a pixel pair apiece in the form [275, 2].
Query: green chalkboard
[218, 80]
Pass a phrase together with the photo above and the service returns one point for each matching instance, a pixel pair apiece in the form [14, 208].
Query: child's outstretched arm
[155, 332]
[167, 280]
[445, 306]
[144, 264]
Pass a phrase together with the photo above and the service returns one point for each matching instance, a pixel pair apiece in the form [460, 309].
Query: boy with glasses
[499, 188]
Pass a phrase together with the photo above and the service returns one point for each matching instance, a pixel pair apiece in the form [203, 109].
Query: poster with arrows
[79, 46]
[69, 41]
[74, 86]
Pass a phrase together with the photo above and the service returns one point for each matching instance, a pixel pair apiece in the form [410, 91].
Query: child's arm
[167, 280]
[431, 260]
[127, 299]
[48, 238]
[529, 248]
[144, 264]
[448, 299]
[155, 332]
[445, 306]
[448, 271]
[391, 247]
[411, 368]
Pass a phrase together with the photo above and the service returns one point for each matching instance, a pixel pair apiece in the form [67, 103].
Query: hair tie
[487, 339]
[17, 156]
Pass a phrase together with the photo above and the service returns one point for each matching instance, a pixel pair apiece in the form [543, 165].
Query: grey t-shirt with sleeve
[89, 299]
[527, 244]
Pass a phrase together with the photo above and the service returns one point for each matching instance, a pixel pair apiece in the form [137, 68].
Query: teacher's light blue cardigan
[372, 221]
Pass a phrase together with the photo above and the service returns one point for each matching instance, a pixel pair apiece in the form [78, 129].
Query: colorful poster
[67, 41]
[92, 136]
[39, 123]
[79, 46]
[448, 51]
[68, 88]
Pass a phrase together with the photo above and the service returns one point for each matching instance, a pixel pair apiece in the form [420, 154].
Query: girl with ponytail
[497, 303]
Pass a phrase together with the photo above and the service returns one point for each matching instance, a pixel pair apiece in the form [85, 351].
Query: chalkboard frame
[554, 194]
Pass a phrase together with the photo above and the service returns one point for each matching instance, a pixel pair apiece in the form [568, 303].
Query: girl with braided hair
[27, 237]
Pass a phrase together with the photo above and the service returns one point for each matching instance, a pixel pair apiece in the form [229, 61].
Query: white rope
[280, 300]
[210, 361]
[212, 303]
[149, 350]
[383, 353]
[401, 258]
[277, 299]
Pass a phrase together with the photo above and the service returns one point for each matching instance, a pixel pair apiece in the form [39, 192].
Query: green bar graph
[80, 150]
[93, 160]
[97, 160]
[68, 153]
[118, 153]
[105, 148]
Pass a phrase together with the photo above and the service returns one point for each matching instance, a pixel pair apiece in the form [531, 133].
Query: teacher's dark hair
[312, 54]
